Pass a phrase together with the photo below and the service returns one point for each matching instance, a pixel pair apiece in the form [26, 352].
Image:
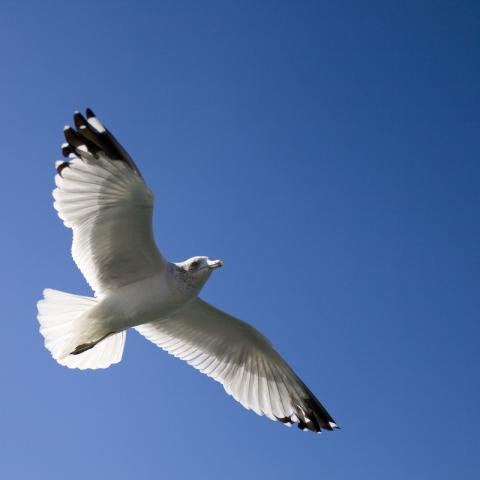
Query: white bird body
[103, 198]
[153, 298]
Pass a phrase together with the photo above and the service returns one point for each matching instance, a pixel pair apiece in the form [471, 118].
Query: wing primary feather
[61, 167]
[243, 361]
[263, 388]
[105, 201]
[72, 138]
[79, 120]
[269, 386]
[92, 136]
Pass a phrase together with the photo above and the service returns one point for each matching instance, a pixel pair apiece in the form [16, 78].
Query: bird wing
[242, 360]
[102, 197]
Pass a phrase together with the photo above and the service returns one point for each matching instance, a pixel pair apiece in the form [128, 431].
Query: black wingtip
[79, 120]
[89, 137]
[285, 420]
[72, 137]
[61, 167]
[311, 415]
[318, 415]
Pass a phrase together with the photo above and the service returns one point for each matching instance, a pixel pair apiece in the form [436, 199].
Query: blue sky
[328, 152]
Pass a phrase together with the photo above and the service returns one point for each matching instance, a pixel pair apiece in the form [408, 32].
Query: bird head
[197, 270]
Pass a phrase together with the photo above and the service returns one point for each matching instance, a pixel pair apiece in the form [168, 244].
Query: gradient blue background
[328, 152]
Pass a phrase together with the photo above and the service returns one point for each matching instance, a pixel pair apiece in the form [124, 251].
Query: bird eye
[194, 264]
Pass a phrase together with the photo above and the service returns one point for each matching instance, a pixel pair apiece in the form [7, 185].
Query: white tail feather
[62, 326]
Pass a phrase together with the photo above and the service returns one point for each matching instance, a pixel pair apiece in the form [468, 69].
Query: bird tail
[64, 323]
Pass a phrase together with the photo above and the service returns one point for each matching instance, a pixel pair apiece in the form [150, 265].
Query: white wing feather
[109, 208]
[242, 360]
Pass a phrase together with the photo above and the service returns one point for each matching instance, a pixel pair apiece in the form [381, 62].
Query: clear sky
[328, 152]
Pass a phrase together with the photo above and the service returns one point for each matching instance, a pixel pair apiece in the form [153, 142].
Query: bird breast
[150, 299]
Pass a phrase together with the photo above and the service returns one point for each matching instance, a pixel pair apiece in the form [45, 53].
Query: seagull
[101, 195]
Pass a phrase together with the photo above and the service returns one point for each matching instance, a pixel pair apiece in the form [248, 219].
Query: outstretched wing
[102, 197]
[242, 360]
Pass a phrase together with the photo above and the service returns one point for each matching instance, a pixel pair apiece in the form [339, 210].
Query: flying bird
[101, 195]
